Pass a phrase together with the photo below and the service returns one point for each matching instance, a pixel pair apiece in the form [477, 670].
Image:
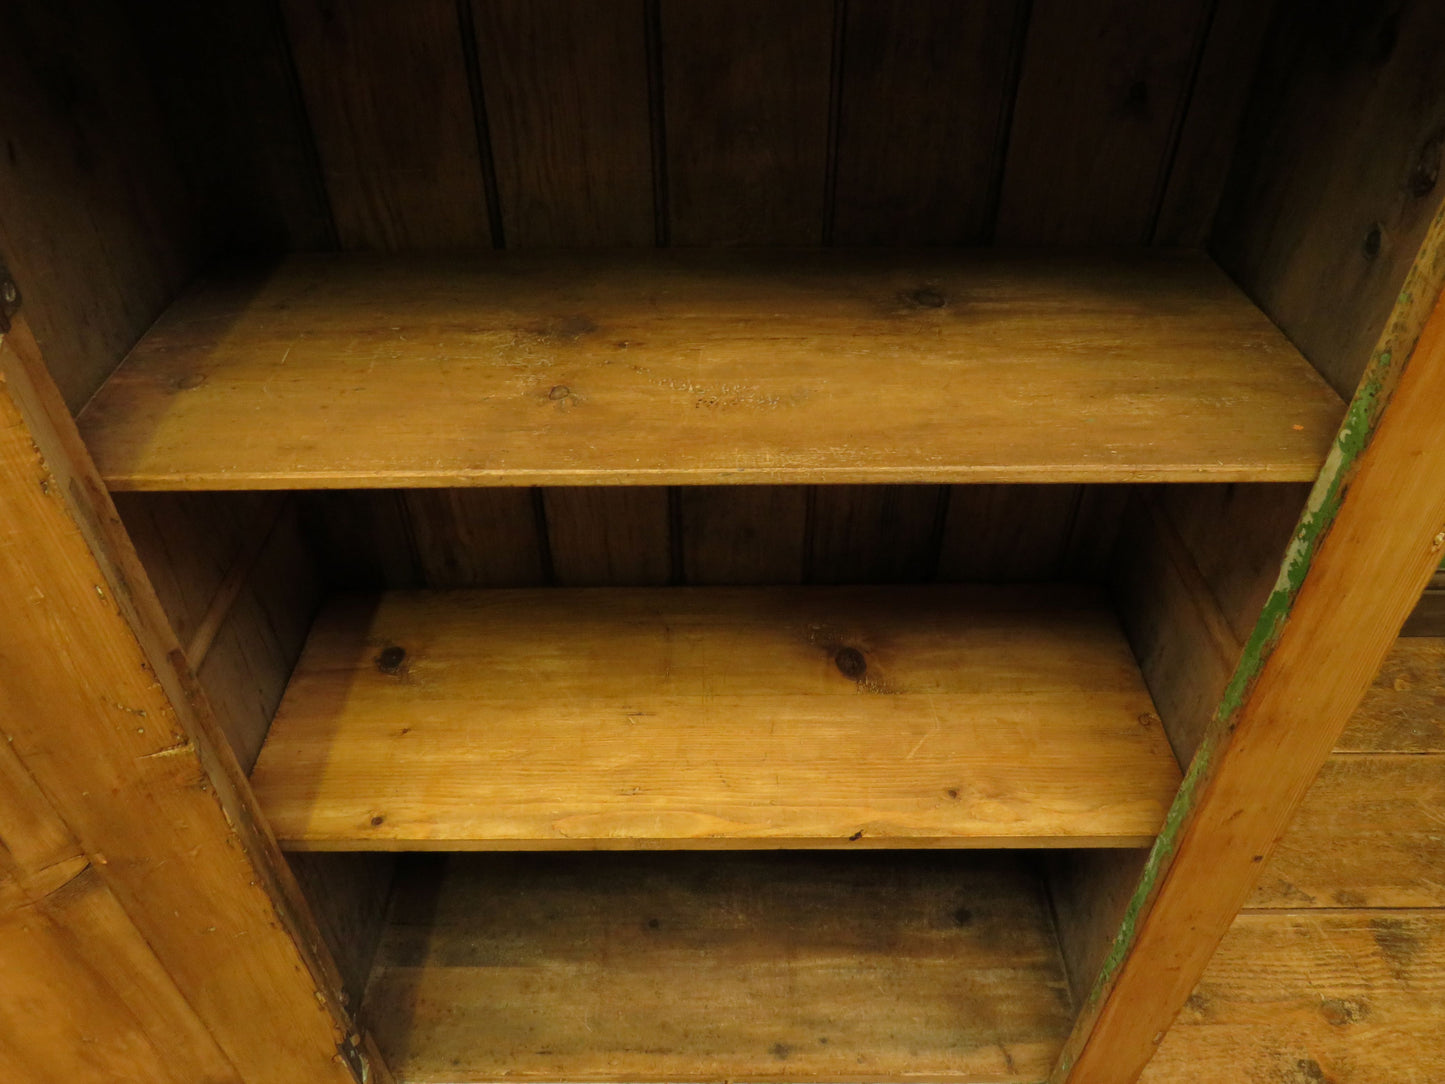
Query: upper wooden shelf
[706, 366]
[947, 716]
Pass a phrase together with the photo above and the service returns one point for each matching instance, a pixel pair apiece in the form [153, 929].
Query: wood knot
[390, 660]
[190, 382]
[851, 663]
[559, 391]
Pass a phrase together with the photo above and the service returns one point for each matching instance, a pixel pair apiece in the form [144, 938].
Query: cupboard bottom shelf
[734, 966]
[937, 716]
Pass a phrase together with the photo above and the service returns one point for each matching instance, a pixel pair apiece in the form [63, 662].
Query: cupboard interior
[1296, 147]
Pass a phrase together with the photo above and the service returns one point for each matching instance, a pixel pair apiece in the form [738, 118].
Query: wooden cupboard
[659, 540]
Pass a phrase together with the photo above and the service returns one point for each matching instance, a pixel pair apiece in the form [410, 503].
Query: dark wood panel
[874, 534]
[609, 537]
[386, 89]
[925, 89]
[743, 534]
[476, 537]
[567, 108]
[1337, 173]
[1100, 94]
[227, 85]
[1205, 149]
[997, 533]
[96, 224]
[746, 86]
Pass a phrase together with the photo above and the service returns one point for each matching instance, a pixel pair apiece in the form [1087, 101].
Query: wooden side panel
[567, 109]
[96, 224]
[746, 103]
[609, 537]
[1090, 891]
[743, 534]
[1101, 91]
[109, 724]
[386, 90]
[874, 534]
[1336, 176]
[926, 89]
[349, 895]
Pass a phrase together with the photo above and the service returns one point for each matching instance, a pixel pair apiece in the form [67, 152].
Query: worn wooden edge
[73, 483]
[1116, 1053]
[352, 845]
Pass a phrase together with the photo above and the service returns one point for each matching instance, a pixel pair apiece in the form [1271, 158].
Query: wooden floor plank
[711, 367]
[822, 967]
[716, 717]
[1307, 997]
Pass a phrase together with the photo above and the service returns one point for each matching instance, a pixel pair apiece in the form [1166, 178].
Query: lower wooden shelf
[771, 967]
[932, 716]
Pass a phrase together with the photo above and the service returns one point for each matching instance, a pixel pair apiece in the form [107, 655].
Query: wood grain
[706, 366]
[566, 94]
[104, 691]
[677, 717]
[997, 533]
[386, 92]
[923, 115]
[612, 537]
[1100, 93]
[743, 534]
[874, 534]
[1367, 835]
[474, 538]
[720, 967]
[1335, 182]
[1307, 998]
[1404, 709]
[1370, 543]
[1210, 127]
[746, 91]
[96, 224]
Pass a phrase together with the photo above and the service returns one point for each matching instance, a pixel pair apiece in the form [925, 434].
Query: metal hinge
[9, 298]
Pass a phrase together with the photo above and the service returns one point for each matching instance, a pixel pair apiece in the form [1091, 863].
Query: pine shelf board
[693, 366]
[610, 718]
[884, 966]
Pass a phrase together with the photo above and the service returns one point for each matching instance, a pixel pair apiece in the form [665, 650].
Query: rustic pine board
[716, 717]
[711, 366]
[719, 967]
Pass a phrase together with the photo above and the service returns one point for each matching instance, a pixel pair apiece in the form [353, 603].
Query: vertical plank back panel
[609, 537]
[999, 533]
[1337, 172]
[1210, 129]
[567, 108]
[926, 90]
[476, 537]
[1100, 94]
[874, 534]
[747, 86]
[743, 534]
[387, 93]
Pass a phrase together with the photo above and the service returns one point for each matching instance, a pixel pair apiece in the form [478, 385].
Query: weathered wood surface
[1305, 997]
[675, 717]
[719, 968]
[697, 367]
[105, 718]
